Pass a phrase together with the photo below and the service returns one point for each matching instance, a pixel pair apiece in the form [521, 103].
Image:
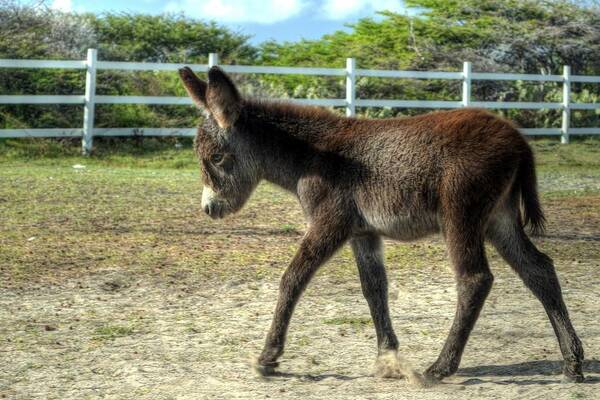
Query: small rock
[50, 328]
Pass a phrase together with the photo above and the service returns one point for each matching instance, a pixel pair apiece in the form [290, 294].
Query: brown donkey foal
[466, 173]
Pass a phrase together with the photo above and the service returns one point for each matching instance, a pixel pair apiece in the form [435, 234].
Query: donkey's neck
[288, 138]
[305, 123]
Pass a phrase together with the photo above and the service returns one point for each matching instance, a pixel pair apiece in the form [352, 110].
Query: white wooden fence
[90, 99]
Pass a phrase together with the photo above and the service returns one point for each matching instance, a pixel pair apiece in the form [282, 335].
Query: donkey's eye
[216, 158]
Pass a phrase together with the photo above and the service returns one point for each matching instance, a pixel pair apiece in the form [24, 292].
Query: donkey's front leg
[319, 243]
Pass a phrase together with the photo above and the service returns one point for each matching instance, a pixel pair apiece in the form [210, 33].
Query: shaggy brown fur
[466, 173]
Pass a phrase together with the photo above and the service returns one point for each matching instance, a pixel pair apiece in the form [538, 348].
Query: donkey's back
[419, 170]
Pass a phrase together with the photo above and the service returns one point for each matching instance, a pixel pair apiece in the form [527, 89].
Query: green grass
[355, 322]
[581, 153]
[154, 153]
[578, 395]
[111, 332]
[176, 153]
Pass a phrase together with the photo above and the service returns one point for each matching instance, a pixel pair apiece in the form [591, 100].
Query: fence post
[89, 106]
[350, 87]
[213, 59]
[466, 84]
[566, 105]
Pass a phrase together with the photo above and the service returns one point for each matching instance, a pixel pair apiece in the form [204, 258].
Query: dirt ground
[156, 304]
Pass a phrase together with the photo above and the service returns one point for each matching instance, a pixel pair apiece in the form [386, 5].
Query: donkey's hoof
[387, 366]
[433, 377]
[264, 370]
[435, 373]
[572, 378]
[573, 374]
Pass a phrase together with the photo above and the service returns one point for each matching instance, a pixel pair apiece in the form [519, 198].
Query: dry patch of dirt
[117, 336]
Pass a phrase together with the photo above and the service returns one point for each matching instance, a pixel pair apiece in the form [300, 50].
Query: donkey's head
[229, 169]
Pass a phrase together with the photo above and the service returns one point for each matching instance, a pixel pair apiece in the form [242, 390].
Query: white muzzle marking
[208, 196]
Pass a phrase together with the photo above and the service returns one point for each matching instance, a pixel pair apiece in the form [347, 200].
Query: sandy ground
[113, 335]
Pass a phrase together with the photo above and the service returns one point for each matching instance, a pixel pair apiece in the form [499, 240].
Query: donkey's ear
[223, 98]
[195, 87]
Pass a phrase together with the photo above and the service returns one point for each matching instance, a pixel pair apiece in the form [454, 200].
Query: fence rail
[89, 99]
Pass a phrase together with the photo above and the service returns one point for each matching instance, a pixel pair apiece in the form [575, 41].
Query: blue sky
[263, 19]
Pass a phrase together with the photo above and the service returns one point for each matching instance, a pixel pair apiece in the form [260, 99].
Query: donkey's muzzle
[216, 209]
[212, 204]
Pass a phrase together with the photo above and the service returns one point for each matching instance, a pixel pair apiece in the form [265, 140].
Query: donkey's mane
[282, 109]
[298, 123]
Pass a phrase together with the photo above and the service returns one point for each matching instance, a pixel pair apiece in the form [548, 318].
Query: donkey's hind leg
[473, 283]
[537, 272]
[369, 259]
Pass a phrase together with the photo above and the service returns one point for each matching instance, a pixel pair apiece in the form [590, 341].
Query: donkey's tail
[526, 183]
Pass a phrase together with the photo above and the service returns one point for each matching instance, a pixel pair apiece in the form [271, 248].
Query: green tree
[166, 38]
[42, 33]
[526, 36]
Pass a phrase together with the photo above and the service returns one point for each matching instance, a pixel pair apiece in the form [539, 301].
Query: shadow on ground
[313, 377]
[525, 369]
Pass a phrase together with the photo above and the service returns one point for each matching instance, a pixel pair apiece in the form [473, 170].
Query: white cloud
[62, 5]
[271, 11]
[260, 11]
[341, 9]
